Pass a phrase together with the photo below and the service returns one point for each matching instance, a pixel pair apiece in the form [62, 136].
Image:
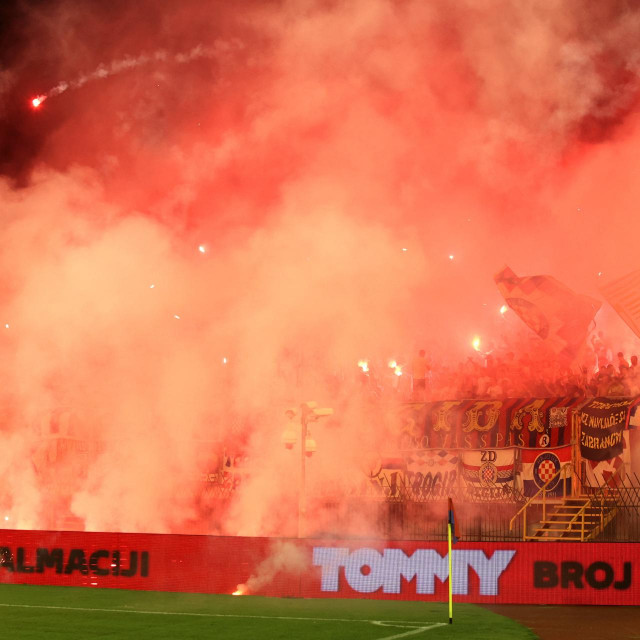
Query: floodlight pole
[304, 412]
[309, 412]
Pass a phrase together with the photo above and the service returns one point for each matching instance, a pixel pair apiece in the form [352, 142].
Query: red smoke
[329, 158]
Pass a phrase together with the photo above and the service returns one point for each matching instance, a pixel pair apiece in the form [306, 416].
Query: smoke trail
[218, 51]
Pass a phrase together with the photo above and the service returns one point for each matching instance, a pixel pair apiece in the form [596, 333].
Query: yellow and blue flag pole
[450, 578]
[452, 538]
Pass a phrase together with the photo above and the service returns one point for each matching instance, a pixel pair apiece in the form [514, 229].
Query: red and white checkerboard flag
[623, 295]
[557, 314]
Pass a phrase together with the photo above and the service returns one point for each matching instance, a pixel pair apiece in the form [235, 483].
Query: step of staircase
[595, 519]
[565, 537]
[561, 524]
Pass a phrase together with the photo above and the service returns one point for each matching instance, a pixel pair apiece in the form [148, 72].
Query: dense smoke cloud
[191, 245]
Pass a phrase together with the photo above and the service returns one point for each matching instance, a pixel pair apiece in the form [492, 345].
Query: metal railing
[603, 500]
[402, 489]
[564, 470]
[402, 509]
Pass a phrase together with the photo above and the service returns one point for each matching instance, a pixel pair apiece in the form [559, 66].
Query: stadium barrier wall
[521, 572]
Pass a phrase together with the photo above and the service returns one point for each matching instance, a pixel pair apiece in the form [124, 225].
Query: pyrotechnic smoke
[284, 557]
[356, 173]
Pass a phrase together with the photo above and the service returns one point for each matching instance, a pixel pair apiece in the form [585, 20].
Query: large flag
[491, 469]
[540, 466]
[623, 295]
[558, 315]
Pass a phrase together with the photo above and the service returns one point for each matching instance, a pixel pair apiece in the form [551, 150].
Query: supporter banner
[600, 472]
[540, 466]
[428, 473]
[491, 468]
[558, 315]
[486, 424]
[433, 472]
[519, 572]
[602, 422]
[389, 474]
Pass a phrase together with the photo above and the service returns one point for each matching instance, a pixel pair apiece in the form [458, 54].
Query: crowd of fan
[530, 374]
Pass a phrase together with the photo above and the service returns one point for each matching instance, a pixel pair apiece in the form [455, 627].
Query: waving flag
[623, 295]
[558, 315]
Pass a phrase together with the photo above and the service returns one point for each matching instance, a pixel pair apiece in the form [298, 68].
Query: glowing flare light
[37, 102]
[476, 343]
[397, 369]
[364, 365]
[241, 590]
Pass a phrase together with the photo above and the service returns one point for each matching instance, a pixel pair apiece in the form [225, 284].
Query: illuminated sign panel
[518, 572]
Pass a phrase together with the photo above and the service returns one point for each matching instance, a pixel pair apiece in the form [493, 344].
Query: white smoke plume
[284, 557]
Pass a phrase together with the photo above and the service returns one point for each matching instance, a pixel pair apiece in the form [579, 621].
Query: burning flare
[241, 590]
[36, 102]
[364, 365]
[476, 343]
[397, 369]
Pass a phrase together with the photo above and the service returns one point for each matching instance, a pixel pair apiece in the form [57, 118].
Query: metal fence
[403, 511]
[624, 497]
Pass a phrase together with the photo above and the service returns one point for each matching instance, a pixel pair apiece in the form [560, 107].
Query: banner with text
[486, 424]
[516, 572]
[601, 472]
[487, 468]
[602, 423]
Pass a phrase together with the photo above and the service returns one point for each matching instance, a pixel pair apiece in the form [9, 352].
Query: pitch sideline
[414, 630]
[424, 626]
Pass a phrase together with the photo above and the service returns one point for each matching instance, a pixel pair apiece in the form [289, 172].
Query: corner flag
[452, 522]
[452, 538]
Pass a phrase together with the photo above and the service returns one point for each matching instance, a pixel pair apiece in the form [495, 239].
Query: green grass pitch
[74, 613]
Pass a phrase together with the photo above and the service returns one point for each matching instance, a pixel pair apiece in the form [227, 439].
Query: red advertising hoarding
[520, 572]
